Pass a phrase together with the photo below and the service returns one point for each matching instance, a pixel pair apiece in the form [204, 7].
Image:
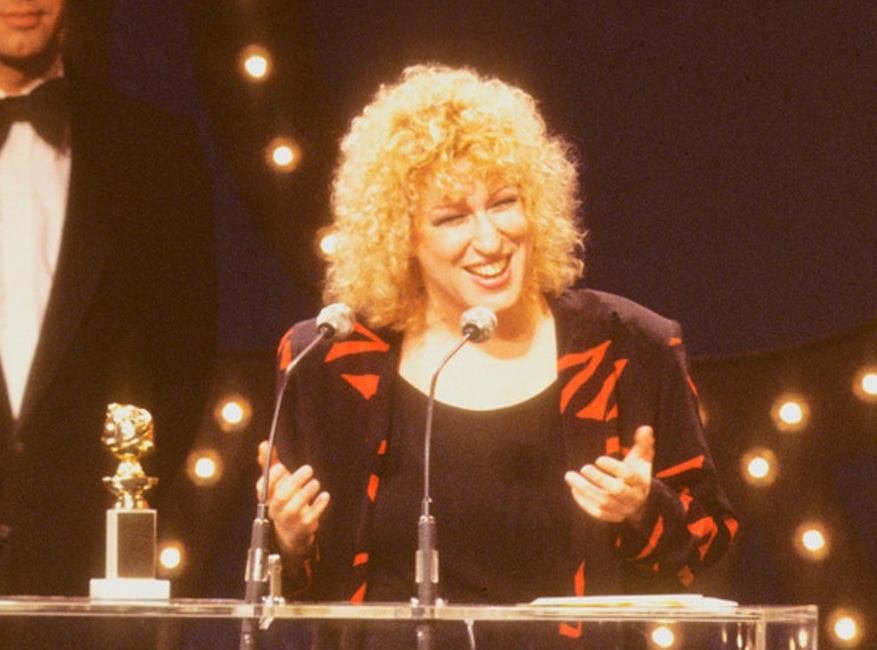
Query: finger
[611, 466]
[288, 485]
[311, 514]
[623, 470]
[604, 480]
[575, 480]
[303, 511]
[263, 453]
[627, 473]
[278, 475]
[643, 445]
[607, 490]
[614, 498]
[597, 496]
[295, 479]
[275, 473]
[583, 492]
[594, 501]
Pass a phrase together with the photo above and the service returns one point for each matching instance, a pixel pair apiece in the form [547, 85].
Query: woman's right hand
[295, 504]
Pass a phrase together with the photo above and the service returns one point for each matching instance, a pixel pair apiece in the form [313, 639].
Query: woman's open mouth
[489, 271]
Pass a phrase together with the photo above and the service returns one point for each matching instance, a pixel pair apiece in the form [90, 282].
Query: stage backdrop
[729, 153]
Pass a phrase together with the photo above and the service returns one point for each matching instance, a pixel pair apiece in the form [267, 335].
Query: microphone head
[335, 321]
[479, 323]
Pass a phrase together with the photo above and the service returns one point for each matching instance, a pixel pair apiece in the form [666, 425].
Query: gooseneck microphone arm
[334, 322]
[478, 325]
[427, 558]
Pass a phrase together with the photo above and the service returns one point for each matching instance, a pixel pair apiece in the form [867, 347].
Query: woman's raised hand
[295, 503]
[616, 490]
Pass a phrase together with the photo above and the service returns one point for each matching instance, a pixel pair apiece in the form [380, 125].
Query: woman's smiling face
[472, 243]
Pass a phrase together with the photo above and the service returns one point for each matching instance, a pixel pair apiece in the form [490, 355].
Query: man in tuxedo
[107, 294]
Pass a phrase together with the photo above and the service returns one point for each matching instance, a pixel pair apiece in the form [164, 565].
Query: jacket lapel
[6, 421]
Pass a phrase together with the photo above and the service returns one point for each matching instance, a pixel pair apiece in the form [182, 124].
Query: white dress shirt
[34, 182]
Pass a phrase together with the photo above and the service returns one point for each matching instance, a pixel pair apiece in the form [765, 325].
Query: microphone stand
[427, 560]
[258, 559]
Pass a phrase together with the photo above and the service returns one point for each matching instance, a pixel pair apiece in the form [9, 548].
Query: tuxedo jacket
[131, 319]
[619, 366]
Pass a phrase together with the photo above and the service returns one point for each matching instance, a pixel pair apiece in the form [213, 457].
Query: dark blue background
[729, 153]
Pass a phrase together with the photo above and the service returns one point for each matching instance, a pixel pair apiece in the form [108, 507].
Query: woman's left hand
[616, 490]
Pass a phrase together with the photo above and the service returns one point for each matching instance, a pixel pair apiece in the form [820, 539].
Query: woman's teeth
[489, 270]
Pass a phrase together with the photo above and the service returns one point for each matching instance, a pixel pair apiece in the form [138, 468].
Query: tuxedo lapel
[6, 421]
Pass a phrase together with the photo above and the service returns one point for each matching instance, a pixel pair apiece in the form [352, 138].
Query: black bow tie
[46, 108]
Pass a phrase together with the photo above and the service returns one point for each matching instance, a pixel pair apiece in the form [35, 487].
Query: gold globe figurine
[129, 434]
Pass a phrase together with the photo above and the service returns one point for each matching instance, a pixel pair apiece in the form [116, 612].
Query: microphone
[478, 324]
[334, 322]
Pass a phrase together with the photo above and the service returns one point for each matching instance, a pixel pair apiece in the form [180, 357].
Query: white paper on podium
[659, 600]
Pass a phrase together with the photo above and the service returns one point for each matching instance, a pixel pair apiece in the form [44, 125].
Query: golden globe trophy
[131, 524]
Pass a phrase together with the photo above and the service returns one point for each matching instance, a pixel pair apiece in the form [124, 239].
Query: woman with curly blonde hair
[429, 123]
[567, 452]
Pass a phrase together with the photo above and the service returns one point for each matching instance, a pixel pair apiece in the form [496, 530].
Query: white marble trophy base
[130, 560]
[130, 589]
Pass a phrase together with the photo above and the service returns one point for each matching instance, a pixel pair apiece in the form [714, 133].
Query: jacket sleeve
[688, 524]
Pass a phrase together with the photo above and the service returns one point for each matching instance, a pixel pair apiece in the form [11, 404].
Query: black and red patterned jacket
[619, 366]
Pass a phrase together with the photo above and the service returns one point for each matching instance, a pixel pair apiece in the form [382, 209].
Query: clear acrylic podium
[692, 628]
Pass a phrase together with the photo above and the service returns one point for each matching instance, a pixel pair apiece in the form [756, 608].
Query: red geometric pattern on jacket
[363, 341]
[596, 375]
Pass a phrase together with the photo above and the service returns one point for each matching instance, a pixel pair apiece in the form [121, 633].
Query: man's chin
[30, 62]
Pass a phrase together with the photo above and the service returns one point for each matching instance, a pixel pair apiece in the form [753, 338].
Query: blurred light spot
[171, 558]
[811, 541]
[204, 468]
[328, 244]
[283, 154]
[790, 413]
[663, 637]
[865, 384]
[233, 413]
[845, 627]
[803, 638]
[759, 467]
[255, 62]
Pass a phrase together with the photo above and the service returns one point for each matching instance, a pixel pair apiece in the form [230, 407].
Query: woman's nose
[486, 238]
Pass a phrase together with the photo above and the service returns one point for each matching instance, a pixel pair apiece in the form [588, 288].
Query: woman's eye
[448, 219]
[505, 202]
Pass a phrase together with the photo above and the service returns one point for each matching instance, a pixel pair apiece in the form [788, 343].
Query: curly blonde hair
[420, 127]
